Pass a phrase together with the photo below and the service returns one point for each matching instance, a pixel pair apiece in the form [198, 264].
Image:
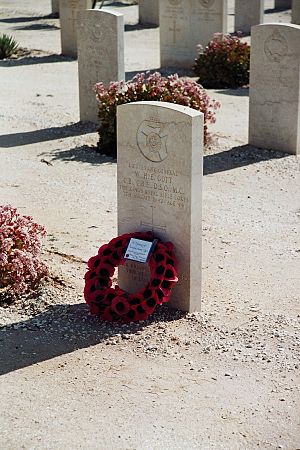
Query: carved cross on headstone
[161, 228]
[175, 30]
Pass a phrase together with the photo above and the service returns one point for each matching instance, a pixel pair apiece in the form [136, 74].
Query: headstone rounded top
[178, 108]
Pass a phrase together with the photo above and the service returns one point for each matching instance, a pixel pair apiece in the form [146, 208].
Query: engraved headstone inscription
[100, 55]
[296, 12]
[159, 189]
[274, 112]
[149, 11]
[68, 10]
[184, 24]
[246, 17]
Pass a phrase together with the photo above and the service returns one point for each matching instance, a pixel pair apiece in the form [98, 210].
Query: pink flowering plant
[224, 63]
[148, 87]
[20, 247]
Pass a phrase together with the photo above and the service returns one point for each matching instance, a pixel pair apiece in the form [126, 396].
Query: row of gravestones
[160, 145]
[245, 17]
[274, 76]
[184, 25]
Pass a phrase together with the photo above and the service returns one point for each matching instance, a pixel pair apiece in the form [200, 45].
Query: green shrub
[224, 63]
[8, 46]
[148, 87]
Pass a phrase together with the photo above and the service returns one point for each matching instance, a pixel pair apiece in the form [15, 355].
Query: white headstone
[296, 12]
[55, 6]
[160, 189]
[186, 23]
[149, 11]
[100, 55]
[283, 4]
[247, 16]
[68, 10]
[274, 120]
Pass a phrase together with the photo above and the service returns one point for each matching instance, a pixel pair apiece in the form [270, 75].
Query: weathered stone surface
[247, 16]
[296, 12]
[55, 6]
[159, 189]
[68, 10]
[149, 11]
[283, 4]
[100, 55]
[186, 23]
[274, 120]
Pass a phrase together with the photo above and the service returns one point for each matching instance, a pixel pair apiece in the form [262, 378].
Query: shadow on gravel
[118, 4]
[83, 154]
[47, 134]
[241, 92]
[28, 19]
[240, 156]
[37, 26]
[28, 60]
[62, 329]
[139, 26]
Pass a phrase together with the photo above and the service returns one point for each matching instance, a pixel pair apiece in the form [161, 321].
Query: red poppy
[93, 262]
[94, 309]
[102, 250]
[107, 315]
[120, 305]
[140, 312]
[105, 270]
[136, 299]
[89, 287]
[170, 273]
[149, 305]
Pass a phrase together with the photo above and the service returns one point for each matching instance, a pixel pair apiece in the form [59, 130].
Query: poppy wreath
[113, 303]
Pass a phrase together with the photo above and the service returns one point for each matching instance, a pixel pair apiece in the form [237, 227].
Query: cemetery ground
[225, 378]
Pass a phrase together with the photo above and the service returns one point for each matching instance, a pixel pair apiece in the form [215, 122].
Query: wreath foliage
[113, 303]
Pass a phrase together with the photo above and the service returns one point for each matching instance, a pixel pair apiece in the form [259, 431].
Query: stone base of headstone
[296, 12]
[149, 12]
[274, 110]
[160, 189]
[246, 17]
[283, 4]
[186, 24]
[68, 10]
[100, 55]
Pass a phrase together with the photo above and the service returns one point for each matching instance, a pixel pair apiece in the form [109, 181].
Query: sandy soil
[223, 379]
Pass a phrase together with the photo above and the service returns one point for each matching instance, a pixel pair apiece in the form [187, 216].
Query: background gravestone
[186, 23]
[100, 55]
[296, 12]
[274, 120]
[160, 189]
[149, 11]
[68, 10]
[246, 17]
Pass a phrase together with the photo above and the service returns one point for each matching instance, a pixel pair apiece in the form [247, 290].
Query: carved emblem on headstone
[276, 47]
[152, 140]
[207, 3]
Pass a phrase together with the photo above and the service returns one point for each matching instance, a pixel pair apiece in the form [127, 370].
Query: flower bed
[148, 87]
